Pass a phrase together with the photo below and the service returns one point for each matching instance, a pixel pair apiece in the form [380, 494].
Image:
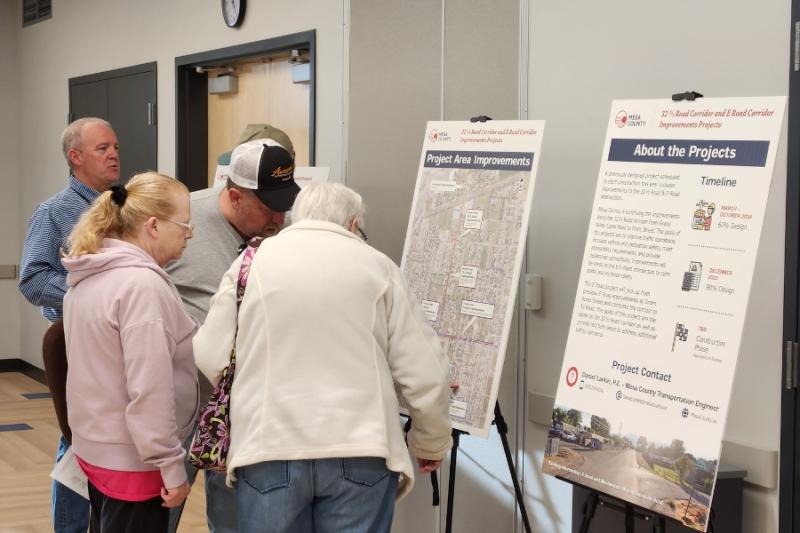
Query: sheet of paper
[69, 473]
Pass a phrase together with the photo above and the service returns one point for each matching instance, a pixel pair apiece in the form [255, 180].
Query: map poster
[464, 249]
[660, 306]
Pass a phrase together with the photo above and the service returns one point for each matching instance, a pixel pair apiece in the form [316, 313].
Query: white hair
[329, 202]
[71, 137]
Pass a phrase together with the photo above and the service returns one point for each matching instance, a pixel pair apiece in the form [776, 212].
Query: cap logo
[283, 173]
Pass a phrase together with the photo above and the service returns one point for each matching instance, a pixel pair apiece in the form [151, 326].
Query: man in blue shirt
[92, 152]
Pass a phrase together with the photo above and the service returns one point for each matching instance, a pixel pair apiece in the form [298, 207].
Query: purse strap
[244, 270]
[241, 282]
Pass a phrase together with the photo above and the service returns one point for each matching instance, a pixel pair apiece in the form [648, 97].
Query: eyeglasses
[361, 232]
[188, 227]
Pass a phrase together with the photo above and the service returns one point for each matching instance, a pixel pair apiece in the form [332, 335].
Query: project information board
[464, 249]
[661, 300]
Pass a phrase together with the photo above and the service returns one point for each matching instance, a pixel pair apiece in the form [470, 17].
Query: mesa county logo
[621, 119]
[436, 135]
[632, 121]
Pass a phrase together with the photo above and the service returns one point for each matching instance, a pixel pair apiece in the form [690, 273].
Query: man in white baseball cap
[266, 168]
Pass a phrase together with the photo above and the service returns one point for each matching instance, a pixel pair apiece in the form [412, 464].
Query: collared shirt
[42, 278]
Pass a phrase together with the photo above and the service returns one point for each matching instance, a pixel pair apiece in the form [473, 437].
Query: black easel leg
[630, 519]
[502, 429]
[451, 483]
[589, 507]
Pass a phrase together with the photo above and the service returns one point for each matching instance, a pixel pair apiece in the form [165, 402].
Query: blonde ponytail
[149, 194]
[100, 221]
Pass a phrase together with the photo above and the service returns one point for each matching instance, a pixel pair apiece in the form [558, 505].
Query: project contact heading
[624, 368]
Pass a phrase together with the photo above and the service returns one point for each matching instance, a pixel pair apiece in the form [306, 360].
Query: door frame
[191, 101]
[789, 487]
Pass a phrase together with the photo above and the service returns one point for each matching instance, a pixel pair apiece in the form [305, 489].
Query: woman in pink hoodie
[132, 389]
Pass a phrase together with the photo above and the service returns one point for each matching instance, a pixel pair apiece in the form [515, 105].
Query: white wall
[10, 219]
[96, 35]
[584, 55]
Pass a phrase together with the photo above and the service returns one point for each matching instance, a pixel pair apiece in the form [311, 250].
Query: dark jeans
[109, 515]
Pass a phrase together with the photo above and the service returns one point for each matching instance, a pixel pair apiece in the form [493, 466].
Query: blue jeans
[220, 501]
[70, 509]
[352, 495]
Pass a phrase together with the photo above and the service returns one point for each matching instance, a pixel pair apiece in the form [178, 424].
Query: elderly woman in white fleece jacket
[326, 328]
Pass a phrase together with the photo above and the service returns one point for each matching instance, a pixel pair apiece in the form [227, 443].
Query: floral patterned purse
[209, 449]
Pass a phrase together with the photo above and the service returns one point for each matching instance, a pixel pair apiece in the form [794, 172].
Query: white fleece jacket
[326, 328]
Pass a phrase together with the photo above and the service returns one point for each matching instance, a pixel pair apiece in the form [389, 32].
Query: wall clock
[233, 12]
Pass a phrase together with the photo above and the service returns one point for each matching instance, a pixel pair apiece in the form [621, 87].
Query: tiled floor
[26, 459]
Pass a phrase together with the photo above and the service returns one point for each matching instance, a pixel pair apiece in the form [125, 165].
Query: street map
[465, 246]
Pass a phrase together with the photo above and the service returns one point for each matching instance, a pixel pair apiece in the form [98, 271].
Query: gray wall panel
[397, 82]
[481, 58]
[12, 223]
[395, 66]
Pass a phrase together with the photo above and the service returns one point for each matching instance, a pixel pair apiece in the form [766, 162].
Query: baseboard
[23, 367]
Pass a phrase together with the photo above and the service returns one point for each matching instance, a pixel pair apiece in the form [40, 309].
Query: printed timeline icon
[691, 278]
[681, 334]
[703, 214]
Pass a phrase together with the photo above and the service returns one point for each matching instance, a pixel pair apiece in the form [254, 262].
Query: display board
[464, 249]
[657, 322]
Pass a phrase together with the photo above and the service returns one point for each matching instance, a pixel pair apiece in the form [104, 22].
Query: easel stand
[502, 429]
[632, 512]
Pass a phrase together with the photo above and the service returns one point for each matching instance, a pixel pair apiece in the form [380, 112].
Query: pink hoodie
[132, 391]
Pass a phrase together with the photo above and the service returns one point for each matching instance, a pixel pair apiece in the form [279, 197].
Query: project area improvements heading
[478, 160]
[690, 152]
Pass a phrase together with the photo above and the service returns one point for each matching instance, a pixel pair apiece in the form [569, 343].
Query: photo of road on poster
[657, 321]
[672, 477]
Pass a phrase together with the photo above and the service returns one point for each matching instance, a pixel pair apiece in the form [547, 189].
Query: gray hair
[329, 202]
[71, 137]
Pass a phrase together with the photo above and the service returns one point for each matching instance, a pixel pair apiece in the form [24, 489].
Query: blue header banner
[479, 160]
[733, 153]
